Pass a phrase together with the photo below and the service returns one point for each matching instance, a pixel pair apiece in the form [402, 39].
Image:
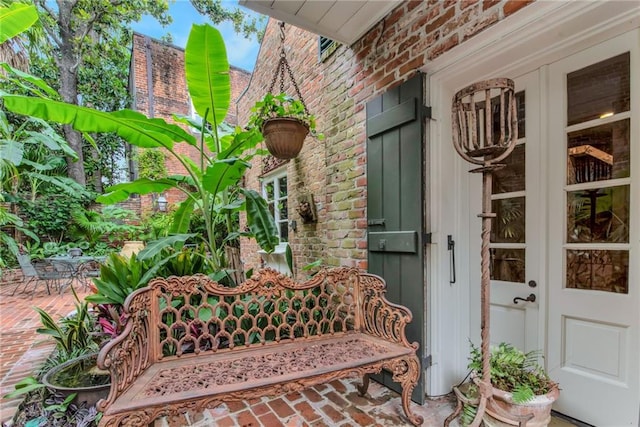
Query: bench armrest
[381, 317]
[129, 354]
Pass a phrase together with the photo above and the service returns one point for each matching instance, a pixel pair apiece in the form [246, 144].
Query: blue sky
[240, 51]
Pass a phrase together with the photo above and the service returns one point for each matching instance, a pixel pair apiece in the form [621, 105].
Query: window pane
[507, 265]
[598, 270]
[283, 186]
[599, 153]
[284, 232]
[598, 89]
[283, 209]
[598, 215]
[271, 209]
[269, 190]
[511, 177]
[508, 227]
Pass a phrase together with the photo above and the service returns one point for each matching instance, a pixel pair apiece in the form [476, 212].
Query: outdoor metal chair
[29, 274]
[88, 271]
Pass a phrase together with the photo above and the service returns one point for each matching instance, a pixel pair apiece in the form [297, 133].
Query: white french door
[593, 254]
[566, 239]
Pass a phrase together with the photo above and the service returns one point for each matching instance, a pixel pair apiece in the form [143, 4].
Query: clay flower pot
[539, 406]
[284, 136]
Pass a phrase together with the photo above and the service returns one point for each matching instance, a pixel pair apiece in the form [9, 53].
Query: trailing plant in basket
[282, 106]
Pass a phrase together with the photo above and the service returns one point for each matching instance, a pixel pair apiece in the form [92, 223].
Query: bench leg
[362, 388]
[406, 371]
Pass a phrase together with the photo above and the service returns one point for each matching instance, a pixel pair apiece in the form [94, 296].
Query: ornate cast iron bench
[191, 343]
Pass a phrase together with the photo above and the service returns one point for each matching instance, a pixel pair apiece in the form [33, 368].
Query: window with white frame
[274, 190]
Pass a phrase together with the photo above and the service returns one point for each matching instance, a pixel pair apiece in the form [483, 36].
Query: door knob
[530, 298]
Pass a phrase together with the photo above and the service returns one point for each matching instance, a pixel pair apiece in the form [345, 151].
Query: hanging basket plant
[284, 123]
[283, 120]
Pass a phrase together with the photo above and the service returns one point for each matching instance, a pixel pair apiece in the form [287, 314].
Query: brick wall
[169, 94]
[337, 90]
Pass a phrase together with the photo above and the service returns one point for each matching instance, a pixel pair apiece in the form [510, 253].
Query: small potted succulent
[521, 386]
[284, 122]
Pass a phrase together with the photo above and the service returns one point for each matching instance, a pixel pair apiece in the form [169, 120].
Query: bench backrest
[193, 314]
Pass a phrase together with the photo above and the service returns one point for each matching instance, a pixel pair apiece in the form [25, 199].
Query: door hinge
[426, 112]
[426, 362]
[426, 238]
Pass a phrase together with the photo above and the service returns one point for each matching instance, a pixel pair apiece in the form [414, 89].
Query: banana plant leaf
[182, 217]
[16, 19]
[37, 82]
[86, 119]
[11, 151]
[121, 192]
[154, 247]
[260, 220]
[223, 174]
[207, 72]
[175, 132]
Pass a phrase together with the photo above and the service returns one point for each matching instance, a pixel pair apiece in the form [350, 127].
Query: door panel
[594, 289]
[395, 203]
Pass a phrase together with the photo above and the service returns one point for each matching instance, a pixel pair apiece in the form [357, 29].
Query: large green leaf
[223, 173]
[26, 77]
[51, 140]
[207, 72]
[11, 151]
[121, 192]
[175, 132]
[260, 220]
[182, 217]
[87, 120]
[156, 246]
[16, 19]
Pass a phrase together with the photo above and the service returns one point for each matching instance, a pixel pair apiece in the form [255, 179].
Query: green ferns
[514, 371]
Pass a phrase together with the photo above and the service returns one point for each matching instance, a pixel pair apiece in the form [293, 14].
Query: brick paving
[22, 350]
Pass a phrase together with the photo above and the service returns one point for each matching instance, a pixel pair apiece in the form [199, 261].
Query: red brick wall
[337, 90]
[169, 94]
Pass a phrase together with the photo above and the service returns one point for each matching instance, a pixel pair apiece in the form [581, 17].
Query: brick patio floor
[22, 350]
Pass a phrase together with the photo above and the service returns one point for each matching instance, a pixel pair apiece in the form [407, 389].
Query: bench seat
[226, 373]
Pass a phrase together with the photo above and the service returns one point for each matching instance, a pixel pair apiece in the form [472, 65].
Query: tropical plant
[114, 222]
[119, 277]
[211, 183]
[10, 223]
[514, 371]
[74, 334]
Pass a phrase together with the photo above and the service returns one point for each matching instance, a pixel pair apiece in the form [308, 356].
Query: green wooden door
[395, 204]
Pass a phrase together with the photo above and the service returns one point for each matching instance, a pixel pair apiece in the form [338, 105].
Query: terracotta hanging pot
[284, 136]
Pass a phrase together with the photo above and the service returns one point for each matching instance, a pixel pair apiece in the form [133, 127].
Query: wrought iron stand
[485, 131]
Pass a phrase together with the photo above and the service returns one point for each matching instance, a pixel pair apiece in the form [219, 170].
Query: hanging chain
[282, 66]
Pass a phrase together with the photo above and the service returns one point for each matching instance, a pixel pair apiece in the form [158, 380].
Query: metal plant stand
[485, 131]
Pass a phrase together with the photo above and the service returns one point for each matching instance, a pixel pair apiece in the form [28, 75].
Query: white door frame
[539, 34]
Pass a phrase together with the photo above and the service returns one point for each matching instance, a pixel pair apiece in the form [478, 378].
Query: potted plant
[284, 122]
[521, 386]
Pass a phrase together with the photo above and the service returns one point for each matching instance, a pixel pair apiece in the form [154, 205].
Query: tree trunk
[68, 67]
[97, 173]
[234, 263]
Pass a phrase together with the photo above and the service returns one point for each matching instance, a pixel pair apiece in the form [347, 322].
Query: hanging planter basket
[283, 120]
[284, 136]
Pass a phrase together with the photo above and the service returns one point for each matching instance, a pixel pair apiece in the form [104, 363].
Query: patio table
[74, 266]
